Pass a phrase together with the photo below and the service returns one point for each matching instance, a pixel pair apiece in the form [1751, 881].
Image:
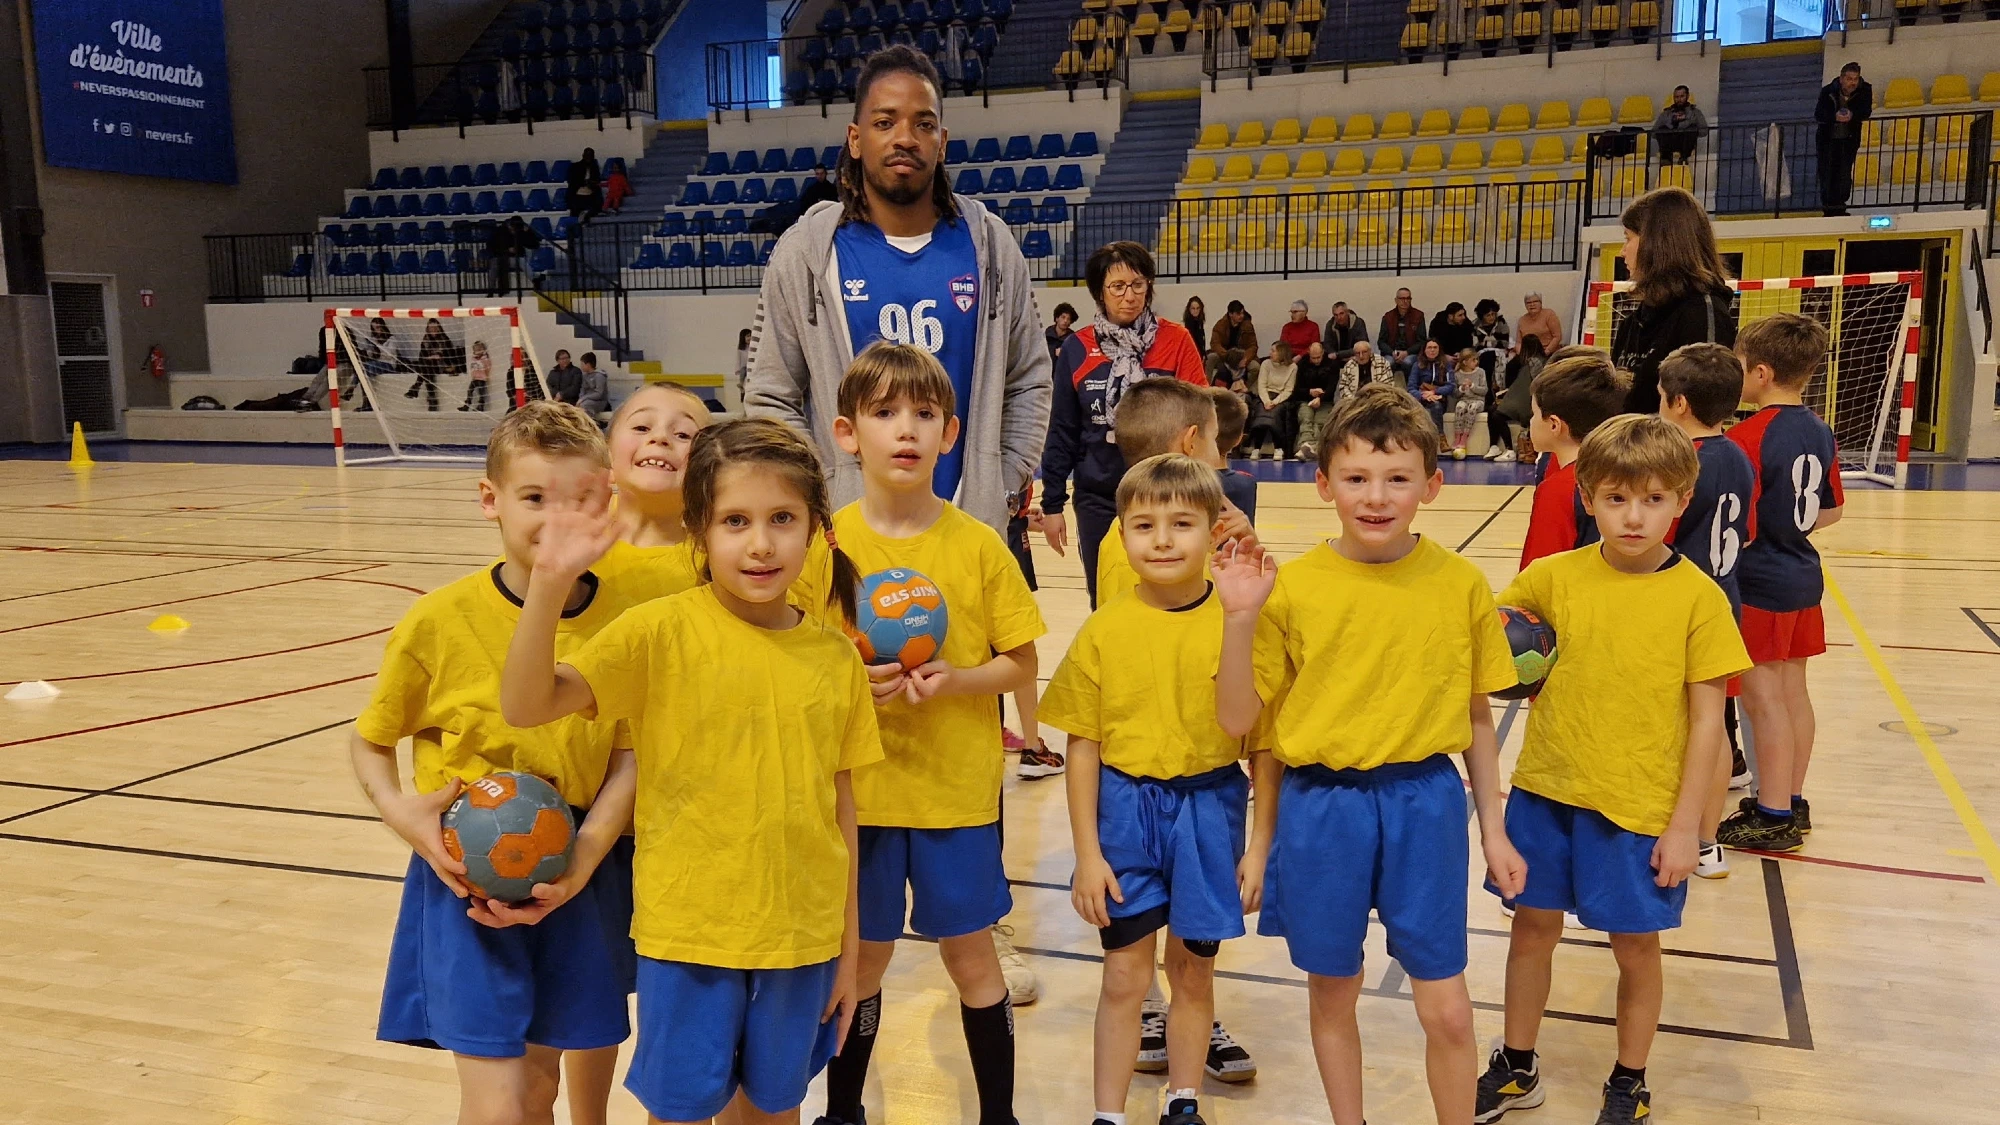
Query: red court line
[1922, 648]
[135, 578]
[207, 663]
[1914, 873]
[196, 598]
[373, 582]
[189, 711]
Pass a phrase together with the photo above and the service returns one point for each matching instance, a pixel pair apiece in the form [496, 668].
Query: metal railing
[1857, 15]
[309, 266]
[594, 299]
[580, 85]
[1926, 160]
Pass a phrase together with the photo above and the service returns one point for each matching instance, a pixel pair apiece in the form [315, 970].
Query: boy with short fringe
[1239, 488]
[1157, 798]
[1572, 396]
[1798, 492]
[1607, 795]
[507, 1000]
[1700, 385]
[1368, 774]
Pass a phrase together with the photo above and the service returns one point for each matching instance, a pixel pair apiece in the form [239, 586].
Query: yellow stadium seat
[1371, 230]
[1263, 200]
[1427, 158]
[1343, 197]
[1989, 87]
[1594, 113]
[1643, 19]
[1225, 204]
[1416, 38]
[1951, 89]
[1538, 224]
[1506, 154]
[1201, 170]
[1676, 175]
[1242, 15]
[1190, 202]
[1552, 115]
[1954, 166]
[1115, 27]
[1466, 156]
[1251, 234]
[1547, 150]
[1322, 131]
[1263, 50]
[1386, 161]
[1604, 19]
[1868, 170]
[1903, 93]
[1311, 165]
[1310, 12]
[1285, 131]
[1359, 127]
[1460, 192]
[1636, 110]
[1274, 166]
[1579, 153]
[1096, 5]
[1454, 228]
[1396, 125]
[1214, 238]
[1434, 123]
[1564, 24]
[1474, 120]
[1173, 236]
[1349, 162]
[1102, 62]
[1422, 7]
[1238, 169]
[1910, 168]
[1418, 193]
[1146, 30]
[1277, 13]
[1177, 27]
[1487, 30]
[1416, 228]
[1380, 196]
[1513, 119]
[1952, 130]
[1305, 200]
[1298, 231]
[1250, 134]
[1214, 135]
[1628, 182]
[1527, 27]
[1330, 234]
[1085, 30]
[1069, 68]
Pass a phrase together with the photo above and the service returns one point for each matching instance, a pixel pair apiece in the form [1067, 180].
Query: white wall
[1042, 111]
[1922, 52]
[497, 144]
[1607, 72]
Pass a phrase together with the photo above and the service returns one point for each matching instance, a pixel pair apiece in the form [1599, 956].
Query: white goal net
[426, 384]
[1865, 387]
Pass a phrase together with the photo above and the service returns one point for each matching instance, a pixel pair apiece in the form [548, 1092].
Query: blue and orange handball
[511, 830]
[902, 618]
[1534, 645]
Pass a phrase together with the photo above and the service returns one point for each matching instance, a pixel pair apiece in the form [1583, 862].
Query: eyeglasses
[1121, 288]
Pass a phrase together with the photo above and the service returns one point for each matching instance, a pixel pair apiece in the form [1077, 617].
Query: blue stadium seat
[754, 191]
[861, 17]
[632, 35]
[410, 179]
[825, 84]
[381, 234]
[566, 227]
[974, 74]
[385, 207]
[540, 225]
[408, 234]
[513, 45]
[434, 261]
[533, 17]
[511, 173]
[764, 251]
[538, 200]
[629, 11]
[1050, 147]
[1082, 145]
[929, 42]
[1019, 148]
[584, 69]
[680, 256]
[1036, 178]
[1054, 209]
[360, 207]
[731, 222]
[485, 203]
[802, 160]
[435, 176]
[672, 225]
[1069, 177]
[1001, 182]
[1018, 212]
[436, 232]
[463, 260]
[334, 233]
[589, 99]
[830, 156]
[652, 256]
[701, 222]
[355, 265]
[717, 164]
[997, 10]
[559, 199]
[833, 22]
[872, 42]
[742, 253]
[889, 16]
[724, 192]
[784, 189]
[461, 176]
[335, 266]
[558, 173]
[385, 179]
[745, 164]
[1037, 244]
[712, 256]
[987, 151]
[434, 203]
[557, 41]
[512, 202]
[489, 107]
[612, 97]
[774, 162]
[985, 40]
[301, 265]
[542, 261]
[992, 204]
[956, 151]
[406, 262]
[969, 182]
[562, 103]
[536, 102]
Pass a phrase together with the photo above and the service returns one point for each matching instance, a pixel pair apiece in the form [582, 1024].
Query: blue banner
[136, 86]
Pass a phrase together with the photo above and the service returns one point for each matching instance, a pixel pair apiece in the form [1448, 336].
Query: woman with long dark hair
[437, 356]
[1514, 404]
[1680, 290]
[1194, 318]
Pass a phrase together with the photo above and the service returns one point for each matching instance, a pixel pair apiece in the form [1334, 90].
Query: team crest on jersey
[856, 288]
[965, 292]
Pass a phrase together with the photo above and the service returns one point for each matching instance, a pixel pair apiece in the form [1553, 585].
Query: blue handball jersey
[1798, 477]
[928, 297]
[1716, 526]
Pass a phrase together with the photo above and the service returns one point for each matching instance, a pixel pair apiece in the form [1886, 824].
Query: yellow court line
[1982, 840]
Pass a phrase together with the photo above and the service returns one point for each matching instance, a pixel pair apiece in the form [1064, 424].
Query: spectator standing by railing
[1678, 127]
[510, 240]
[1402, 334]
[1843, 105]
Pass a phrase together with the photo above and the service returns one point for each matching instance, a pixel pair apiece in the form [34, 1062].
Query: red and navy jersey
[1079, 444]
[1716, 526]
[1558, 521]
[1798, 477]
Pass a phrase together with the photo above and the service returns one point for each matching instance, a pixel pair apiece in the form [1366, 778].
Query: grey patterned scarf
[1126, 348]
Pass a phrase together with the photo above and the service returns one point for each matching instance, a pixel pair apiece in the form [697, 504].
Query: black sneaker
[1754, 830]
[1040, 761]
[1625, 1100]
[1802, 815]
[1182, 1111]
[831, 1120]
[1152, 1038]
[1228, 1062]
[1503, 1088]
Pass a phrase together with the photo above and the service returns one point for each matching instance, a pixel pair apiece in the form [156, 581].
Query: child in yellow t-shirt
[649, 438]
[930, 810]
[748, 716]
[1169, 416]
[1367, 756]
[507, 1001]
[1157, 801]
[1621, 745]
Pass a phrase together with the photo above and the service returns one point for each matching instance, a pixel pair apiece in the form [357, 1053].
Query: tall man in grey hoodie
[900, 257]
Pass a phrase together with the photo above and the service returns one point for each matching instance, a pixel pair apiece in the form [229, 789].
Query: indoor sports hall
[264, 304]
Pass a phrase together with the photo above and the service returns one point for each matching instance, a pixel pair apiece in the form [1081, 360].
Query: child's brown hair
[770, 445]
[698, 409]
[886, 372]
[553, 429]
[1169, 477]
[1386, 418]
[1582, 390]
[1636, 450]
[1154, 412]
[1791, 345]
[1231, 415]
[1708, 376]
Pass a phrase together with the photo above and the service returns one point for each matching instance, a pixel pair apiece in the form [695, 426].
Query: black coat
[1861, 102]
[1452, 338]
[1649, 333]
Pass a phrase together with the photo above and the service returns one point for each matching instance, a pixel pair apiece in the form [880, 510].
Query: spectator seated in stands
[1319, 376]
[1678, 127]
[565, 380]
[586, 186]
[1539, 322]
[817, 189]
[1366, 367]
[594, 388]
[1489, 334]
[1231, 369]
[1300, 332]
[617, 186]
[1402, 334]
[1273, 416]
[1430, 380]
[1343, 331]
[1235, 332]
[1452, 329]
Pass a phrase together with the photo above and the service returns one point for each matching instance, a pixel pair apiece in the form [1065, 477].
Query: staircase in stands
[1765, 87]
[1141, 168]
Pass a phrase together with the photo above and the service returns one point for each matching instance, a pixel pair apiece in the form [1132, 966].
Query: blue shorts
[456, 984]
[956, 884]
[1393, 839]
[613, 880]
[705, 1032]
[1581, 862]
[1174, 844]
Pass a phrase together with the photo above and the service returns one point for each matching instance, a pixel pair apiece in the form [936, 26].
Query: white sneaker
[1506, 457]
[1023, 987]
[1713, 863]
[1493, 454]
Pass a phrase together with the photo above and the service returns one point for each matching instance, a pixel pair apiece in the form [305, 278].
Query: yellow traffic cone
[79, 450]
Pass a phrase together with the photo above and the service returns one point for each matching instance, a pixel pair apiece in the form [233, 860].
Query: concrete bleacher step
[1141, 166]
[1766, 87]
[674, 154]
[1032, 54]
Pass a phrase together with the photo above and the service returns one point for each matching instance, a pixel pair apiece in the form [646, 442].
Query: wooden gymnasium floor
[198, 902]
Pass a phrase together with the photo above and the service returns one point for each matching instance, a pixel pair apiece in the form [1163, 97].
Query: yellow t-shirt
[942, 763]
[1140, 682]
[440, 687]
[740, 731]
[645, 573]
[1365, 664]
[1115, 575]
[1610, 728]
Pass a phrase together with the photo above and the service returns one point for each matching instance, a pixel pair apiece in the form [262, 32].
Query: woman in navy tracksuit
[1122, 345]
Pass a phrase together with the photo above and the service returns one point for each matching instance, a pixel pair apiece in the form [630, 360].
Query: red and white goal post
[1874, 325]
[465, 356]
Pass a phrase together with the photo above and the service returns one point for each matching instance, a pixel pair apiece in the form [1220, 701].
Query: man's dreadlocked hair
[896, 59]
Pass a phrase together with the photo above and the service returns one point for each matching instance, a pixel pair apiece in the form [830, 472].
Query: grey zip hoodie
[800, 348]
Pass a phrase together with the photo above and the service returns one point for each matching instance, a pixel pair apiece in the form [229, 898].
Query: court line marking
[136, 578]
[1851, 865]
[202, 801]
[1791, 982]
[1973, 612]
[1491, 516]
[268, 865]
[1968, 816]
[189, 711]
[181, 601]
[218, 660]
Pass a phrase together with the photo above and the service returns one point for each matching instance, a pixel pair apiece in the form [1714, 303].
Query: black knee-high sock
[848, 1071]
[989, 1038]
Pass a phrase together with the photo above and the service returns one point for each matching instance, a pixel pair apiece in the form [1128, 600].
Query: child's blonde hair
[1169, 477]
[1154, 412]
[700, 412]
[886, 372]
[1637, 450]
[1468, 358]
[553, 429]
[479, 347]
[770, 445]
